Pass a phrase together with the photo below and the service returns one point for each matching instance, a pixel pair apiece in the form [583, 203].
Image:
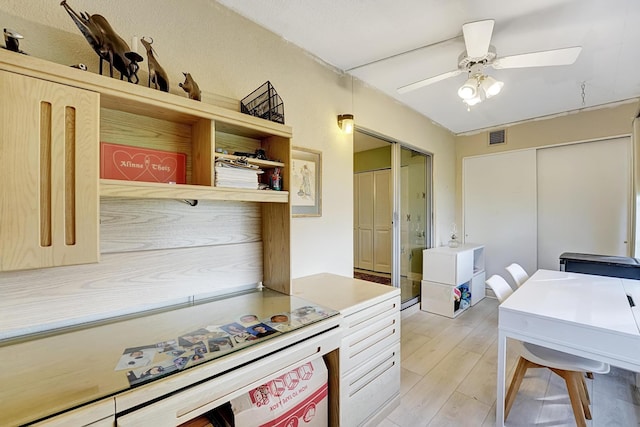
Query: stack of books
[236, 174]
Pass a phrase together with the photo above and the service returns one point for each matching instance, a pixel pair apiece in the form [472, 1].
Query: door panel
[382, 221]
[365, 253]
[365, 233]
[500, 208]
[583, 200]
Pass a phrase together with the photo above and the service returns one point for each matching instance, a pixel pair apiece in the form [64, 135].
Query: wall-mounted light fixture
[345, 122]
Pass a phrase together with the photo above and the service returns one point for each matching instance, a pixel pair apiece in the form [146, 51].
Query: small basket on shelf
[265, 103]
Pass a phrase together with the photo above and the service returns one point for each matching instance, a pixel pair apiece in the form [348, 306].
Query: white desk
[576, 313]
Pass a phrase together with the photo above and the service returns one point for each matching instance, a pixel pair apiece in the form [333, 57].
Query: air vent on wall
[497, 137]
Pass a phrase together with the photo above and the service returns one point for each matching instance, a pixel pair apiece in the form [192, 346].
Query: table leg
[501, 373]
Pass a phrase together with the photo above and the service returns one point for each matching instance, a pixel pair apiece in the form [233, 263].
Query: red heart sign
[141, 164]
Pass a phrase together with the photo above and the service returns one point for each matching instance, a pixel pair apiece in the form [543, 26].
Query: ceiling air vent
[497, 137]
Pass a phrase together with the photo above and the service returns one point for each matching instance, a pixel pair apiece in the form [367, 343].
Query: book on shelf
[236, 174]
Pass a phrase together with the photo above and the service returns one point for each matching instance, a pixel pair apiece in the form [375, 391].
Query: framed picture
[306, 182]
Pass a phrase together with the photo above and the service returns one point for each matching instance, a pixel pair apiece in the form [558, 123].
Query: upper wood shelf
[257, 162]
[154, 190]
[139, 99]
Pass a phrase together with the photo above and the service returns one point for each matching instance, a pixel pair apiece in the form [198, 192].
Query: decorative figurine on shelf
[12, 40]
[191, 87]
[157, 75]
[454, 243]
[276, 181]
[107, 44]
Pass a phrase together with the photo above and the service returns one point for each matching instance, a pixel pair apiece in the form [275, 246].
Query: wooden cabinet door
[49, 174]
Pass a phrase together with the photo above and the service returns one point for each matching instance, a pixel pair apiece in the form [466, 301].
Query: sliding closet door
[500, 208]
[583, 199]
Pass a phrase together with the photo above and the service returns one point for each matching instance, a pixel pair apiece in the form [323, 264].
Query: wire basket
[265, 103]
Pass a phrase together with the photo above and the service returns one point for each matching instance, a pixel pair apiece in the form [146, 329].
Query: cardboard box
[298, 398]
[142, 164]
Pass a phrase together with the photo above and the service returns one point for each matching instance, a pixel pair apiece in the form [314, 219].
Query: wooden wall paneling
[119, 127]
[148, 224]
[232, 143]
[122, 283]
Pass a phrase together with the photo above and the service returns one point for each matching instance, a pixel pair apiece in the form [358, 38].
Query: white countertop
[345, 294]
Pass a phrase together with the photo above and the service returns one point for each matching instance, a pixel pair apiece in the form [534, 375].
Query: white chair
[568, 366]
[518, 273]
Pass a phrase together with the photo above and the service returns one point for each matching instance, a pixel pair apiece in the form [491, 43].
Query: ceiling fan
[480, 54]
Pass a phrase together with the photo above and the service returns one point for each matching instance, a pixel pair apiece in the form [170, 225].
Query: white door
[583, 199]
[365, 220]
[382, 221]
[499, 208]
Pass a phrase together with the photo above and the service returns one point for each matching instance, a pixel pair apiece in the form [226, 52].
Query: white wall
[230, 56]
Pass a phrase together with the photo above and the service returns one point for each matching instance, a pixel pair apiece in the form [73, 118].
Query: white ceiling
[391, 43]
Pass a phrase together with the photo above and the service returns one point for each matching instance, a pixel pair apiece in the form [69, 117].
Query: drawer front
[437, 298]
[373, 338]
[361, 319]
[194, 401]
[366, 390]
[101, 413]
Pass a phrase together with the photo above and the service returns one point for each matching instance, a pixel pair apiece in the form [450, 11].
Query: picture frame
[306, 182]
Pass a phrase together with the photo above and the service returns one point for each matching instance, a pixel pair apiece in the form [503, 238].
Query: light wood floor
[449, 379]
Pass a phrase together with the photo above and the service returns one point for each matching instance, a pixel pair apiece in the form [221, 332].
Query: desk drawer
[196, 400]
[354, 322]
[370, 340]
[365, 390]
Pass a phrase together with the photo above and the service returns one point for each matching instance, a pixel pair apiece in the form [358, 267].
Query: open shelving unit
[445, 269]
[80, 110]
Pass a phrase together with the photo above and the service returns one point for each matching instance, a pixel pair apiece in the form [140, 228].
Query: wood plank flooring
[449, 379]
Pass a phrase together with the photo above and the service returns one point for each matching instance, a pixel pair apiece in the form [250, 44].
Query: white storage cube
[452, 266]
[477, 287]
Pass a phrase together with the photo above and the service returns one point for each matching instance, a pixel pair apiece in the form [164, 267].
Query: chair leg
[586, 390]
[518, 375]
[584, 395]
[575, 395]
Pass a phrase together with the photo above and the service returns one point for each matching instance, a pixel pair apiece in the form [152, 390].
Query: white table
[581, 314]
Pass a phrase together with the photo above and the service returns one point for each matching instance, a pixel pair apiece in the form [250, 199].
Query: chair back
[518, 273]
[500, 287]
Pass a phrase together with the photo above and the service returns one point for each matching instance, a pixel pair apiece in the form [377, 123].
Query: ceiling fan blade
[477, 37]
[565, 56]
[426, 82]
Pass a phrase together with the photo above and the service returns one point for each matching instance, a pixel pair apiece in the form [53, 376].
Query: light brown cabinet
[49, 174]
[54, 119]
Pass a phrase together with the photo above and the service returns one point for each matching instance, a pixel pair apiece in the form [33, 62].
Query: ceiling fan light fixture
[472, 101]
[491, 86]
[469, 89]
